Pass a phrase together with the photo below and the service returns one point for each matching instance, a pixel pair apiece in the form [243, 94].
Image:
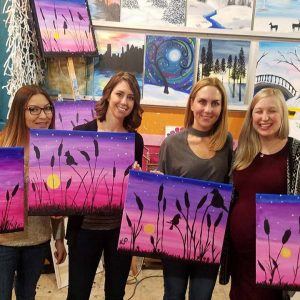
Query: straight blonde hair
[249, 144]
[220, 128]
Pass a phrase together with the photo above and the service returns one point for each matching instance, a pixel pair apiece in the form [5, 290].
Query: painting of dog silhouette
[273, 26]
[296, 25]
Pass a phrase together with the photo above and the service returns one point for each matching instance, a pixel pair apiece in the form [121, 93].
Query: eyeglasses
[36, 110]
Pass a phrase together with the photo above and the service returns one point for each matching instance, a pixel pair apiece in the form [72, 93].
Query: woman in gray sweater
[203, 150]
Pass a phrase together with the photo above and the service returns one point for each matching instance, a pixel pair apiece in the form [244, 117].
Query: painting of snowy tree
[277, 16]
[104, 10]
[169, 70]
[154, 12]
[228, 60]
[118, 51]
[228, 14]
[278, 66]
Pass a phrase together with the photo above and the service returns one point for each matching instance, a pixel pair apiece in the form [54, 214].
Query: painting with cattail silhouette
[278, 241]
[69, 114]
[64, 27]
[175, 217]
[78, 172]
[11, 189]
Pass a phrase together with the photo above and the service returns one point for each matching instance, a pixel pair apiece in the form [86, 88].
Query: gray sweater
[176, 158]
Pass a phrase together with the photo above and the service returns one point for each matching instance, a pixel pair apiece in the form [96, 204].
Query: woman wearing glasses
[22, 254]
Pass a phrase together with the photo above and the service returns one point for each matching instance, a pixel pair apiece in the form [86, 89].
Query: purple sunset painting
[69, 113]
[64, 27]
[11, 189]
[78, 172]
[278, 241]
[174, 217]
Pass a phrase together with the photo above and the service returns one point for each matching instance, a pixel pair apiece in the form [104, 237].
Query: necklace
[276, 147]
[199, 133]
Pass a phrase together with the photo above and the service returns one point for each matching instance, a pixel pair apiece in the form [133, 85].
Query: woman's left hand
[136, 166]
[60, 253]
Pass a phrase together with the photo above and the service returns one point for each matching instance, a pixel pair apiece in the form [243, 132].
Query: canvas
[174, 217]
[169, 70]
[156, 13]
[11, 189]
[228, 61]
[69, 114]
[278, 241]
[118, 51]
[104, 10]
[220, 14]
[64, 27]
[78, 172]
[278, 67]
[276, 16]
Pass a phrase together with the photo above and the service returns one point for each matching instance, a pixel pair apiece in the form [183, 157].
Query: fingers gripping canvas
[11, 189]
[79, 172]
[168, 216]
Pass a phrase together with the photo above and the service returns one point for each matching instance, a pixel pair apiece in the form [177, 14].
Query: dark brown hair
[132, 121]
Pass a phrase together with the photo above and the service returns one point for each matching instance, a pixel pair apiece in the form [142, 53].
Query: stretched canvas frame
[78, 172]
[12, 189]
[174, 217]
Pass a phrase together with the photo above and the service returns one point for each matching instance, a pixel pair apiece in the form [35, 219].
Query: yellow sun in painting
[149, 229]
[286, 252]
[56, 35]
[53, 181]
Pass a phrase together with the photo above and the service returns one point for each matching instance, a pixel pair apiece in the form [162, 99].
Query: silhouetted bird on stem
[217, 200]
[70, 159]
[174, 221]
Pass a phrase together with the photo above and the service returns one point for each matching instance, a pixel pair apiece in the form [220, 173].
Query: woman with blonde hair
[22, 254]
[203, 150]
[266, 161]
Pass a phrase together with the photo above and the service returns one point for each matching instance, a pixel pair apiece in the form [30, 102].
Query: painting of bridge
[221, 14]
[277, 16]
[278, 66]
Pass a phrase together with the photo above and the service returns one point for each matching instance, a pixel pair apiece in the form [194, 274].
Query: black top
[74, 222]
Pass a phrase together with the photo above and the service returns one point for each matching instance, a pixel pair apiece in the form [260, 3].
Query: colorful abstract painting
[227, 60]
[278, 241]
[278, 66]
[169, 70]
[220, 14]
[11, 189]
[104, 10]
[69, 114]
[64, 27]
[79, 172]
[158, 12]
[277, 16]
[118, 51]
[175, 217]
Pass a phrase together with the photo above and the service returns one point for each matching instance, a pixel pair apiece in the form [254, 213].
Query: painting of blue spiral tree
[169, 70]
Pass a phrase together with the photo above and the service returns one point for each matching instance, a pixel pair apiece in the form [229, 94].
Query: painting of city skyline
[118, 51]
[104, 10]
[276, 16]
[174, 217]
[227, 60]
[64, 27]
[220, 14]
[278, 241]
[278, 66]
[156, 13]
[169, 70]
[78, 172]
[12, 201]
[69, 113]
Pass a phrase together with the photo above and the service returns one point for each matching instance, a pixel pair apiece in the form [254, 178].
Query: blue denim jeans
[22, 265]
[84, 256]
[177, 274]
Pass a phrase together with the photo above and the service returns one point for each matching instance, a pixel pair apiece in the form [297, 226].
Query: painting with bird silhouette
[69, 113]
[79, 172]
[64, 27]
[11, 189]
[174, 217]
[278, 241]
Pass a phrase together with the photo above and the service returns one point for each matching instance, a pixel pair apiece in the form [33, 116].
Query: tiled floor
[148, 286]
